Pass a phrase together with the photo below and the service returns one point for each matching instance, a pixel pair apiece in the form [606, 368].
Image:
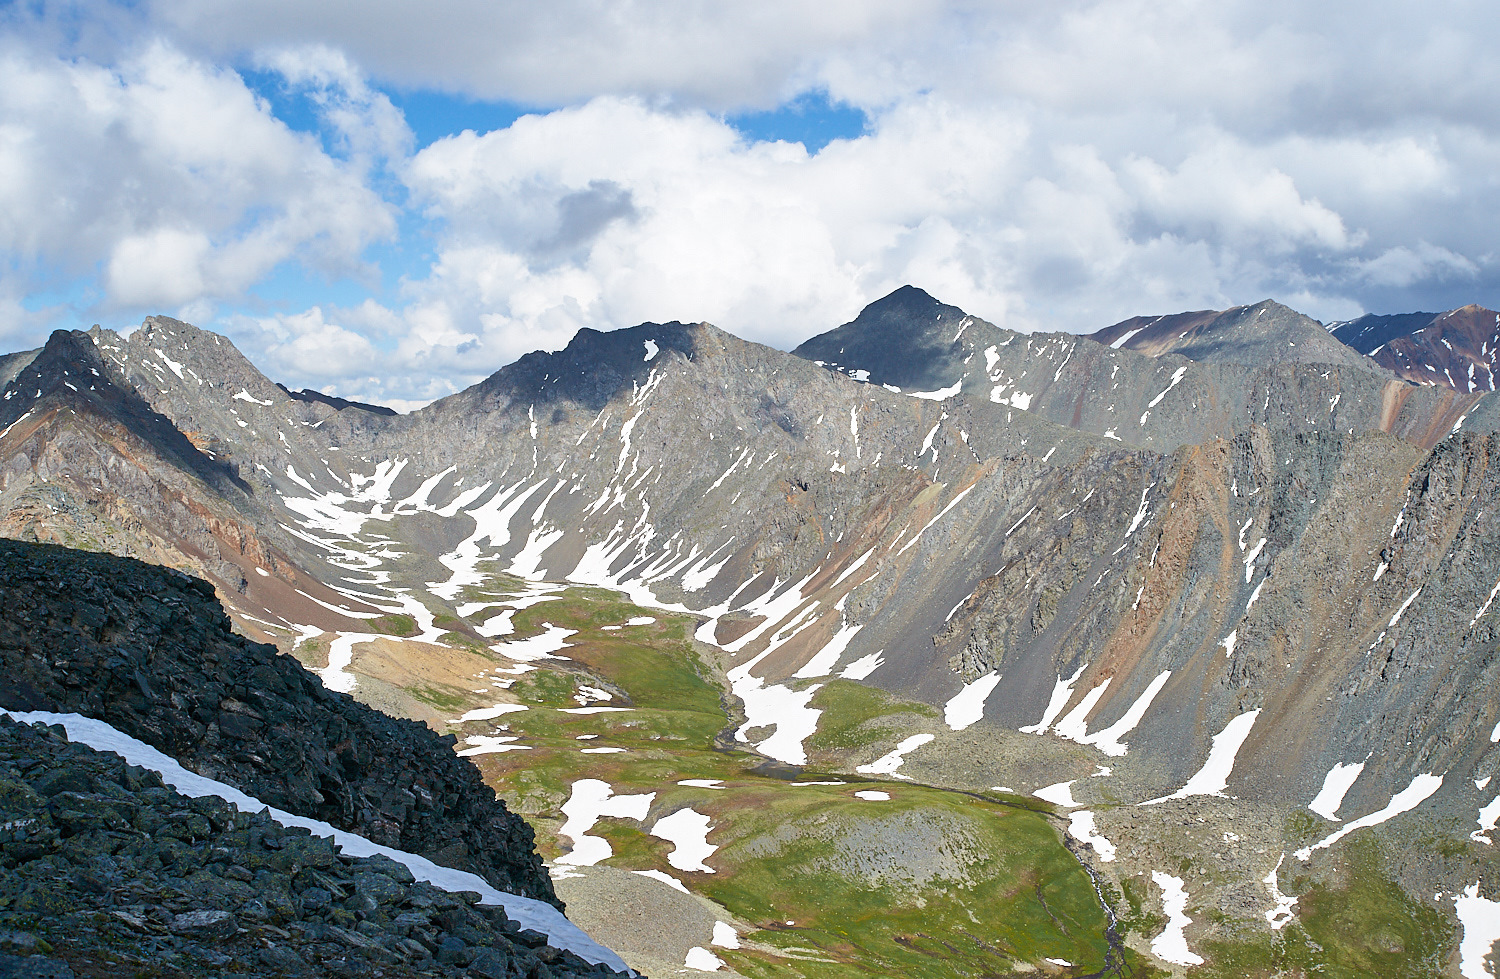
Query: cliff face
[150, 651]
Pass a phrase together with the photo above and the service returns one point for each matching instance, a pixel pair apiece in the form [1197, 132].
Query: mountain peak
[1265, 332]
[1455, 349]
[907, 298]
[907, 339]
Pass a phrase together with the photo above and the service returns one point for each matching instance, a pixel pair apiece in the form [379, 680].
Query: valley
[803, 668]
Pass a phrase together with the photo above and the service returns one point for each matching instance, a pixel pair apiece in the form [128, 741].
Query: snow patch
[1177, 375]
[827, 658]
[1409, 798]
[1171, 945]
[1108, 740]
[967, 706]
[861, 668]
[1481, 923]
[1060, 794]
[590, 801]
[1336, 784]
[702, 960]
[942, 394]
[1213, 777]
[1279, 915]
[687, 830]
[490, 713]
[1081, 827]
[888, 763]
[1062, 691]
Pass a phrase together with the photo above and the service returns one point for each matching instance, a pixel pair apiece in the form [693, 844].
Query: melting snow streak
[1214, 775]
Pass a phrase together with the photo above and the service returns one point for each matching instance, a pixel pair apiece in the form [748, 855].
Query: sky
[389, 201]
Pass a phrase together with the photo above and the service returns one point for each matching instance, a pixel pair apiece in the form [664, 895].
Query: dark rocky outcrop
[150, 651]
[907, 339]
[105, 871]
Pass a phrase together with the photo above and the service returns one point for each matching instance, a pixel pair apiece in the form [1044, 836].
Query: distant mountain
[1456, 349]
[1264, 333]
[907, 340]
[1177, 535]
[1153, 382]
[307, 394]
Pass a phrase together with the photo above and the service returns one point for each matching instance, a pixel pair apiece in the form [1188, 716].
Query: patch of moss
[444, 697]
[1368, 927]
[463, 640]
[395, 624]
[1133, 916]
[849, 709]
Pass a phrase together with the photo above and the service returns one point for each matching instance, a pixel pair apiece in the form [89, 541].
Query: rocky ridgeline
[149, 650]
[104, 871]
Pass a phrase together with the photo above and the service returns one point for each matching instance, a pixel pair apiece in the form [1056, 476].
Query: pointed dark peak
[907, 300]
[589, 372]
[70, 373]
[68, 361]
[907, 339]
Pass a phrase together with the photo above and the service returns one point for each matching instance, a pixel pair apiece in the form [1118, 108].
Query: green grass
[1368, 927]
[445, 697]
[395, 624]
[851, 712]
[1002, 894]
[930, 883]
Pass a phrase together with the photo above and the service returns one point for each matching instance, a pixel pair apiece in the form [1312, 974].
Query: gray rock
[207, 925]
[283, 960]
[33, 967]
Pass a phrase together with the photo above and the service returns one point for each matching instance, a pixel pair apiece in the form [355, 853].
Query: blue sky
[390, 203]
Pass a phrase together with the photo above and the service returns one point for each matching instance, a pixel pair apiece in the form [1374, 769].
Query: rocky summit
[1169, 649]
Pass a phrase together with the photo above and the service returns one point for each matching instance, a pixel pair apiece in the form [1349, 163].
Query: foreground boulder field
[1211, 592]
[107, 871]
[149, 651]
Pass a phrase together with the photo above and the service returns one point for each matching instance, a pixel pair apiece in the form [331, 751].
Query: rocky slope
[107, 872]
[1217, 555]
[149, 651]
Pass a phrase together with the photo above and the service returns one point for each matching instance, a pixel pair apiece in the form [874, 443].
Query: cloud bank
[1048, 167]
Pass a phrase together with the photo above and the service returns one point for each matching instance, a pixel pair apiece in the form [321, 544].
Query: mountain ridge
[1273, 554]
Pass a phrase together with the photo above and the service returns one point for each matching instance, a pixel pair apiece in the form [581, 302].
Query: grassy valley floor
[610, 729]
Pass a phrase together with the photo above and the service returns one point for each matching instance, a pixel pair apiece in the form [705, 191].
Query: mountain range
[1220, 581]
